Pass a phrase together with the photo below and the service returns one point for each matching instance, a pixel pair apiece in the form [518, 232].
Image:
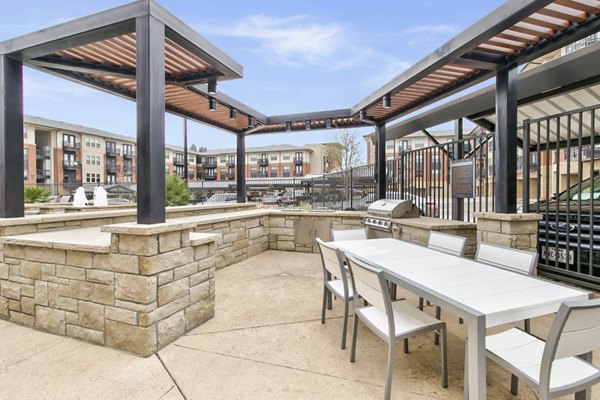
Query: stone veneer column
[518, 231]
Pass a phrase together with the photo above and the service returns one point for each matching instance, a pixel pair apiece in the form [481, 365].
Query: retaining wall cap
[508, 217]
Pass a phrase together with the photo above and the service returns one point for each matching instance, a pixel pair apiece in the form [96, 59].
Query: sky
[297, 55]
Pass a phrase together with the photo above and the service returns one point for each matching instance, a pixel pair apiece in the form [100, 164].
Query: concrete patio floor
[265, 342]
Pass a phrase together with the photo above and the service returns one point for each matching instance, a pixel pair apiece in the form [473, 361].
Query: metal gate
[560, 168]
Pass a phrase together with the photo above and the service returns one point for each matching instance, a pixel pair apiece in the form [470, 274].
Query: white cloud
[39, 85]
[418, 35]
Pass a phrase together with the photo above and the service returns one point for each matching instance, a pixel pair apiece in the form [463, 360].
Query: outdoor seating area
[266, 341]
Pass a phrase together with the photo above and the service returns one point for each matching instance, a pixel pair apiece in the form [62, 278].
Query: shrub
[177, 192]
[36, 194]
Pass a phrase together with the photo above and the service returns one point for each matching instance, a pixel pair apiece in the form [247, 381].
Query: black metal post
[150, 79]
[526, 165]
[505, 180]
[185, 149]
[458, 205]
[241, 168]
[11, 138]
[380, 161]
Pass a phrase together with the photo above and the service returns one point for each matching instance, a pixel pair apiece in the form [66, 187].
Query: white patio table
[483, 296]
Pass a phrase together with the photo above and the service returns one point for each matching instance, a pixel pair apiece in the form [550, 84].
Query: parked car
[426, 206]
[220, 198]
[292, 197]
[272, 198]
[569, 233]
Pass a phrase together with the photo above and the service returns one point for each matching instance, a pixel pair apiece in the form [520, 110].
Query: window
[253, 172]
[191, 159]
[286, 157]
[88, 177]
[87, 160]
[24, 133]
[87, 142]
[98, 160]
[263, 172]
[389, 146]
[223, 159]
[286, 171]
[419, 165]
[222, 173]
[167, 155]
[298, 170]
[253, 158]
[97, 143]
[273, 172]
[25, 163]
[273, 157]
[404, 145]
[435, 166]
[419, 144]
[166, 170]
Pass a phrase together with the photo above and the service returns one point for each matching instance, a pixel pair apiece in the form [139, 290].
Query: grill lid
[393, 208]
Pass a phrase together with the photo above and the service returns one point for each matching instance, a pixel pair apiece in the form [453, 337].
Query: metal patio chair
[338, 235]
[335, 282]
[559, 366]
[449, 244]
[390, 320]
[520, 261]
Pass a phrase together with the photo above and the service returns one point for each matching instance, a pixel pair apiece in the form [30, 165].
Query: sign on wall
[463, 179]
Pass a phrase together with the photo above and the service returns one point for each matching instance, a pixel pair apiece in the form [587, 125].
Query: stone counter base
[141, 295]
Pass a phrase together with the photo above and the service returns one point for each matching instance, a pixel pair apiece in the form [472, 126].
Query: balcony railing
[230, 163]
[71, 146]
[112, 151]
[70, 165]
[230, 175]
[69, 184]
[42, 173]
[178, 161]
[113, 168]
[42, 153]
[210, 177]
[127, 169]
[210, 164]
[298, 160]
[262, 162]
[128, 154]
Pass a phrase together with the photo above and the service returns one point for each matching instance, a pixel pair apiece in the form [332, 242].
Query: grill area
[381, 212]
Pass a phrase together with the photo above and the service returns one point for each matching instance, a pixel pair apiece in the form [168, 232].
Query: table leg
[585, 394]
[476, 359]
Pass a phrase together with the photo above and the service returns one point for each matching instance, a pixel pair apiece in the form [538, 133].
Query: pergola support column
[150, 78]
[458, 204]
[11, 138]
[241, 168]
[381, 183]
[505, 180]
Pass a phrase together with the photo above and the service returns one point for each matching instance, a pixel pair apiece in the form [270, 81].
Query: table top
[501, 295]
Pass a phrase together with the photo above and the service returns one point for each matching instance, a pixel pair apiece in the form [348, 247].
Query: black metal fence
[563, 185]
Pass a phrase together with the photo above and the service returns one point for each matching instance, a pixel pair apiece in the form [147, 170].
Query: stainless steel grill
[381, 212]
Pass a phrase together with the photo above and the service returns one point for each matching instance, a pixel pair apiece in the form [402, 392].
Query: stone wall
[518, 231]
[141, 291]
[54, 222]
[416, 230]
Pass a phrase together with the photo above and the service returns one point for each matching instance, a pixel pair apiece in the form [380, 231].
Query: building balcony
[230, 175]
[210, 164]
[179, 161]
[128, 154]
[112, 151]
[71, 146]
[298, 160]
[43, 153]
[230, 163]
[128, 170]
[112, 168]
[70, 165]
[262, 162]
[210, 177]
[42, 174]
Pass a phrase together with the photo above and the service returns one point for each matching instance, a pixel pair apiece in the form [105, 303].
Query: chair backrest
[450, 244]
[370, 283]
[575, 331]
[331, 260]
[338, 235]
[515, 260]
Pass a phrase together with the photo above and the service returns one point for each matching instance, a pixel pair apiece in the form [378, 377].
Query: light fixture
[232, 113]
[328, 123]
[212, 86]
[250, 121]
[387, 101]
[288, 126]
[212, 104]
[361, 115]
[307, 125]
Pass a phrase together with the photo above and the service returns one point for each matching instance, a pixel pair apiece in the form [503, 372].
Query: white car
[220, 198]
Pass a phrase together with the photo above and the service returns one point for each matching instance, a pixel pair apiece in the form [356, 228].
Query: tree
[177, 192]
[348, 151]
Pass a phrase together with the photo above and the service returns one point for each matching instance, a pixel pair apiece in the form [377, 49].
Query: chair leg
[438, 315]
[329, 299]
[345, 326]
[444, 349]
[421, 303]
[514, 384]
[390, 370]
[324, 305]
[406, 345]
[354, 333]
[527, 326]
[461, 321]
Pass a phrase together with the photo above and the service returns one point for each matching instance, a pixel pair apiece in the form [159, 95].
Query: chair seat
[407, 319]
[337, 288]
[522, 353]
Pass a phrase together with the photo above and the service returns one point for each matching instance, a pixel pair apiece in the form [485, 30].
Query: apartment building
[68, 155]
